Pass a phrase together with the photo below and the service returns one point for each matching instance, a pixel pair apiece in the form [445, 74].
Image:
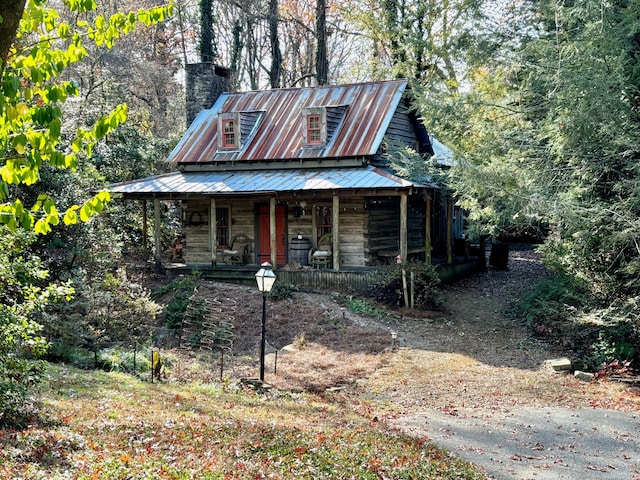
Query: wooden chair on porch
[238, 253]
[322, 257]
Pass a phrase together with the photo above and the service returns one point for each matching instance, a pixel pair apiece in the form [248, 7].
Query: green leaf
[4, 190]
[20, 144]
[70, 216]
[85, 212]
[11, 86]
[77, 145]
[54, 128]
[39, 202]
[42, 227]
[64, 31]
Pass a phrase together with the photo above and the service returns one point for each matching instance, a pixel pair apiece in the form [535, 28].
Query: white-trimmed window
[229, 131]
[314, 127]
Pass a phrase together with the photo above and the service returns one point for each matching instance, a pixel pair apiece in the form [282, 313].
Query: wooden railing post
[449, 229]
[335, 232]
[156, 234]
[403, 226]
[213, 231]
[273, 242]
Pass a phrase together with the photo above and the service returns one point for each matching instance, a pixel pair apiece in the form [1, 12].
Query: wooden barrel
[299, 250]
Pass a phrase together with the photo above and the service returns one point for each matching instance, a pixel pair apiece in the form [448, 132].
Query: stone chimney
[205, 83]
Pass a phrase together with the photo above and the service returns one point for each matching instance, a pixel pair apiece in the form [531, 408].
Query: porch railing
[326, 279]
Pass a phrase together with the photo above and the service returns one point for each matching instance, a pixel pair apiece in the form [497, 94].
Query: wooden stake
[275, 363]
[413, 296]
[404, 287]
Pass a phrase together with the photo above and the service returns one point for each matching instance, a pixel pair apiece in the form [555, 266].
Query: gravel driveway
[475, 382]
[546, 444]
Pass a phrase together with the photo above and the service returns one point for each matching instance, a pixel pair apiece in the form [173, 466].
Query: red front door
[264, 242]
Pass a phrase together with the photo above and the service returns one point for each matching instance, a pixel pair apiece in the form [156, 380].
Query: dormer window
[229, 131]
[320, 124]
[314, 128]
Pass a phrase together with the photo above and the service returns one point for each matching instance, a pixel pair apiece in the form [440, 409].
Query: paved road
[541, 444]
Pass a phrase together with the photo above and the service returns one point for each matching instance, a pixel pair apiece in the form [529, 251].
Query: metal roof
[277, 132]
[184, 184]
[442, 154]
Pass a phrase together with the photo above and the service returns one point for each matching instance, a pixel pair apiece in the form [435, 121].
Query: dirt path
[473, 379]
[475, 383]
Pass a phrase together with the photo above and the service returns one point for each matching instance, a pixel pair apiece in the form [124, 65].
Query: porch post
[427, 231]
[403, 227]
[156, 233]
[273, 242]
[335, 232]
[213, 231]
[449, 229]
[144, 224]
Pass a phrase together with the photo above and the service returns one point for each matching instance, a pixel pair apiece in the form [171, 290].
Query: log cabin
[299, 176]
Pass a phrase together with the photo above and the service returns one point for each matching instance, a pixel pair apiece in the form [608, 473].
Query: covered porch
[356, 218]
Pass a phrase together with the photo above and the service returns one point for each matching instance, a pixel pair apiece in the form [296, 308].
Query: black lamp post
[265, 279]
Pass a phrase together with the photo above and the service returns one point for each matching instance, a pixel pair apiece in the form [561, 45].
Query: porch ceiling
[194, 184]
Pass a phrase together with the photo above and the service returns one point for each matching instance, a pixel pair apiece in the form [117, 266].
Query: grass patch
[361, 306]
[112, 426]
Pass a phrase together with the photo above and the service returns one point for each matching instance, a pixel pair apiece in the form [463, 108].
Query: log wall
[382, 228]
[352, 229]
[401, 131]
[197, 249]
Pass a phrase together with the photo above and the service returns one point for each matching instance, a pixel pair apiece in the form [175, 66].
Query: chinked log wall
[383, 227]
[242, 219]
[198, 236]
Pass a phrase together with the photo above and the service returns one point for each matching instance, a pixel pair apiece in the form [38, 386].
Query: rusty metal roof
[366, 110]
[185, 184]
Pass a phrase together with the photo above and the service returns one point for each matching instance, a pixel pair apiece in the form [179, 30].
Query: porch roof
[193, 184]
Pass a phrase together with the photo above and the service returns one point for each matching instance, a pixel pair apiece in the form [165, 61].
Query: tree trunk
[322, 67]
[11, 13]
[236, 49]
[207, 49]
[276, 55]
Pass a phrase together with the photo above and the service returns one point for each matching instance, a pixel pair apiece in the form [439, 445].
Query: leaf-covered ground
[478, 356]
[114, 426]
[340, 405]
